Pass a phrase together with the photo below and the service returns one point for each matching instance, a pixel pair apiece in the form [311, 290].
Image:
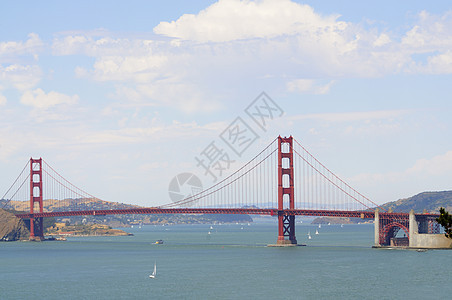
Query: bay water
[232, 262]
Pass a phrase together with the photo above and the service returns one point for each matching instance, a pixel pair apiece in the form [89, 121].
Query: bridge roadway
[250, 211]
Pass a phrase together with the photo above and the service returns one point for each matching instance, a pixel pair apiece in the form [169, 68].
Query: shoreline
[86, 235]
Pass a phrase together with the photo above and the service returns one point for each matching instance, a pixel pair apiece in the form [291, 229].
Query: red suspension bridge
[283, 180]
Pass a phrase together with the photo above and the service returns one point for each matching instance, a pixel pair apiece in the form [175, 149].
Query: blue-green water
[230, 263]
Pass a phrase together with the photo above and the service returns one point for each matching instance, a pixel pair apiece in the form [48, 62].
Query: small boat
[320, 225]
[209, 232]
[342, 225]
[158, 242]
[309, 236]
[316, 231]
[329, 224]
[211, 227]
[421, 250]
[154, 273]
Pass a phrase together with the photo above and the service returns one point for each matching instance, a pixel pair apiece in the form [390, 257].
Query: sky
[120, 97]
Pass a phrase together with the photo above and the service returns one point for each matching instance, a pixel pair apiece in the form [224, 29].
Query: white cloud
[21, 77]
[435, 166]
[439, 64]
[12, 48]
[431, 37]
[136, 68]
[309, 86]
[100, 43]
[183, 95]
[14, 71]
[382, 40]
[70, 45]
[229, 20]
[2, 100]
[243, 43]
[39, 99]
[353, 116]
[431, 33]
[423, 170]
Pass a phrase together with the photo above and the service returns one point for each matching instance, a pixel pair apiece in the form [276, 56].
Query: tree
[445, 220]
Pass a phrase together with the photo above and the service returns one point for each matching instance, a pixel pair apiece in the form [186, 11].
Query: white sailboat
[154, 273]
[309, 235]
[316, 231]
[320, 225]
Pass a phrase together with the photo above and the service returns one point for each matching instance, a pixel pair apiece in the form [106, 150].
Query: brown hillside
[12, 228]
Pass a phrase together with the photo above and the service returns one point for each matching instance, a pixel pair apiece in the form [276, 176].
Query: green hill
[430, 201]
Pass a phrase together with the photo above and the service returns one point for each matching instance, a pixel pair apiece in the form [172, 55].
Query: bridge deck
[249, 211]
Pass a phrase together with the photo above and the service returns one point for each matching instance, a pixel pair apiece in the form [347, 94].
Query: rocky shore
[12, 228]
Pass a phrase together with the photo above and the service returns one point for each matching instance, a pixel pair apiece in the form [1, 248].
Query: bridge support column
[36, 224]
[414, 230]
[377, 227]
[286, 223]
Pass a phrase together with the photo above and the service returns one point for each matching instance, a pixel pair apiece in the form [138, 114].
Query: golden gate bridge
[283, 180]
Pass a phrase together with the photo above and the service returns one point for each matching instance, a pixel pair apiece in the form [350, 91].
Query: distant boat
[154, 273]
[320, 225]
[309, 235]
[316, 231]
[211, 227]
[342, 225]
[159, 242]
[209, 232]
[329, 224]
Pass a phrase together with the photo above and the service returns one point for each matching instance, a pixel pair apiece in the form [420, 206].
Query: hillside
[430, 201]
[12, 228]
[50, 205]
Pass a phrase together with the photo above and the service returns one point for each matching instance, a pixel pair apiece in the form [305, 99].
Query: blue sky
[120, 97]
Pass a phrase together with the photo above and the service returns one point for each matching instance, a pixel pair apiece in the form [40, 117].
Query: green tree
[445, 220]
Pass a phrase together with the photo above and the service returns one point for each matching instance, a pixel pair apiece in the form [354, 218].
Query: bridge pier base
[286, 228]
[36, 229]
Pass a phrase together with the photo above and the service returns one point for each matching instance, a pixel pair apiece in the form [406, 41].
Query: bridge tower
[286, 223]
[36, 224]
